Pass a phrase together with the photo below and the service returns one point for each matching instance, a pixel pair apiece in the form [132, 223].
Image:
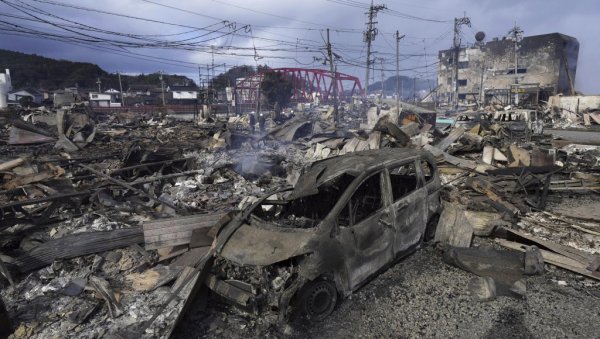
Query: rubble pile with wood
[107, 222]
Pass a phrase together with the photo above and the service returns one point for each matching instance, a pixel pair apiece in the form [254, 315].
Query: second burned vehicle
[347, 218]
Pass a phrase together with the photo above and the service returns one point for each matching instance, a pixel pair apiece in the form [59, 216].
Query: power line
[190, 39]
[387, 11]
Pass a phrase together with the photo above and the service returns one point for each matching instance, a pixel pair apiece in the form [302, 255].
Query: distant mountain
[31, 70]
[407, 85]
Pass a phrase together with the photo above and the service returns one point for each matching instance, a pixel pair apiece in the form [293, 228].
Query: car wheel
[431, 228]
[318, 299]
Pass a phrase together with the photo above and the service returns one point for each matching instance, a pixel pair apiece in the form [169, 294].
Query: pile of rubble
[106, 222]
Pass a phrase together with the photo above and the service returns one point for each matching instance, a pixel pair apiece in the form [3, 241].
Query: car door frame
[409, 210]
[432, 188]
[358, 263]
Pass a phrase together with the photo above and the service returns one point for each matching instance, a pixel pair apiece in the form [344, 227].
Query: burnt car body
[347, 218]
[520, 124]
[470, 120]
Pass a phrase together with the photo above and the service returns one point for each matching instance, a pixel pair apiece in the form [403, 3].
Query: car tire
[431, 228]
[317, 299]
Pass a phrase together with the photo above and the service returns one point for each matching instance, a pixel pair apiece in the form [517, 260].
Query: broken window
[462, 82]
[463, 64]
[308, 211]
[404, 180]
[365, 201]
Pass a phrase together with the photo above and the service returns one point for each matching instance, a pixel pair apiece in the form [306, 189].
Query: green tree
[30, 70]
[277, 88]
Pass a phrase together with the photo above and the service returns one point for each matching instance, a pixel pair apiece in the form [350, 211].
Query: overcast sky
[139, 36]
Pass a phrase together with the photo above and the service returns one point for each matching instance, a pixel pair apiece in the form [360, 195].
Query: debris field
[116, 225]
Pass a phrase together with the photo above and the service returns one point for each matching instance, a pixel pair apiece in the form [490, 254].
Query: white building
[104, 99]
[183, 92]
[5, 87]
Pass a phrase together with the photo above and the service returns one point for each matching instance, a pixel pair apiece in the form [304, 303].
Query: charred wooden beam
[76, 245]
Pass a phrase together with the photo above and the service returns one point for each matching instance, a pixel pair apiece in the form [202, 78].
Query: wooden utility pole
[380, 101]
[369, 36]
[398, 37]
[458, 22]
[517, 34]
[162, 87]
[200, 77]
[381, 60]
[208, 99]
[212, 52]
[121, 89]
[333, 79]
[481, 91]
[414, 89]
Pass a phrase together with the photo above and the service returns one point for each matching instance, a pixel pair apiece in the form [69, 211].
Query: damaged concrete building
[545, 65]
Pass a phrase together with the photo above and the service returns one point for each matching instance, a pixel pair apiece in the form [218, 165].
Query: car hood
[251, 245]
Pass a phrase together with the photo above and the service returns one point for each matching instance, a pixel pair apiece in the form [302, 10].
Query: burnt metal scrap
[347, 218]
[125, 233]
[504, 270]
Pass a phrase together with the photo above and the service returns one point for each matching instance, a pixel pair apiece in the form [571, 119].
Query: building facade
[106, 99]
[545, 65]
[183, 92]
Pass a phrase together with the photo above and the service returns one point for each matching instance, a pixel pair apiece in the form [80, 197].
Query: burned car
[347, 218]
[520, 124]
[470, 120]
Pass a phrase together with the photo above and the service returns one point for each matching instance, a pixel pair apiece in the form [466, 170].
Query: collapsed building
[115, 226]
[545, 65]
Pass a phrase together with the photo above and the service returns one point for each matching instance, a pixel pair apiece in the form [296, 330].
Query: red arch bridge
[307, 83]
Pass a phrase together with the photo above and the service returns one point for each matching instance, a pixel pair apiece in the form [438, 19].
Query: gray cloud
[302, 24]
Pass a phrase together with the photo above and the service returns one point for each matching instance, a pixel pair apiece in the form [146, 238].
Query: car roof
[354, 164]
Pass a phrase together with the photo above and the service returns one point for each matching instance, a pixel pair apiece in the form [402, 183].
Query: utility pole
[382, 79]
[414, 89]
[121, 89]
[99, 83]
[212, 52]
[401, 87]
[481, 85]
[458, 22]
[162, 87]
[369, 36]
[517, 34]
[380, 101]
[199, 77]
[333, 79]
[208, 99]
[398, 37]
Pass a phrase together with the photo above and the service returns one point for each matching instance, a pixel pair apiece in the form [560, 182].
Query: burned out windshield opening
[304, 212]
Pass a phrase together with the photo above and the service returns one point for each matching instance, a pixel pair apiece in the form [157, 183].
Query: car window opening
[365, 201]
[308, 211]
[404, 180]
